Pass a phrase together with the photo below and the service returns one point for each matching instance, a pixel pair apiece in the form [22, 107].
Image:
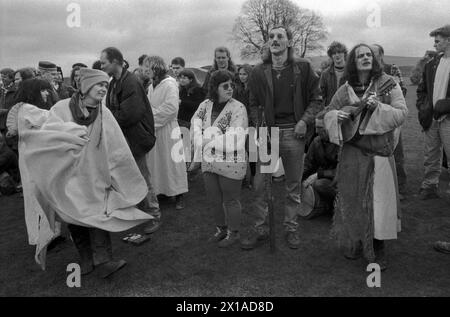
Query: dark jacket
[130, 106]
[7, 100]
[307, 98]
[190, 100]
[424, 102]
[328, 84]
[322, 158]
[65, 91]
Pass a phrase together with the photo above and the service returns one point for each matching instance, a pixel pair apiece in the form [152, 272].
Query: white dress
[168, 172]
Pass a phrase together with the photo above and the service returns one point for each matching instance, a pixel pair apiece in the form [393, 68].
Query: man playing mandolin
[363, 117]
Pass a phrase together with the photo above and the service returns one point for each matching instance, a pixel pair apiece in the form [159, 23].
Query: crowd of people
[96, 155]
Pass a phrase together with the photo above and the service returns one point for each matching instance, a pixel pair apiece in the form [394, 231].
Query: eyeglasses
[228, 86]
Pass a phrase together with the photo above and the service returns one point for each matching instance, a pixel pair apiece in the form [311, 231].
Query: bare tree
[251, 28]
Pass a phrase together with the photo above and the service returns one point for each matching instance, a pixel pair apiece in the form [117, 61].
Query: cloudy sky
[32, 30]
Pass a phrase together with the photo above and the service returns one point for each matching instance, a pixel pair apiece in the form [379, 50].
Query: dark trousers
[400, 165]
[326, 190]
[93, 245]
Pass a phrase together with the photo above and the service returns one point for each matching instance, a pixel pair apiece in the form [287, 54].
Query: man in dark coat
[285, 92]
[129, 104]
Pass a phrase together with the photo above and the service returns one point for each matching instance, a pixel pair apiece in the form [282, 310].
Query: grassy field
[178, 261]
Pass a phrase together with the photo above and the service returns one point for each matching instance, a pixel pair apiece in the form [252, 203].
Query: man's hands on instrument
[300, 130]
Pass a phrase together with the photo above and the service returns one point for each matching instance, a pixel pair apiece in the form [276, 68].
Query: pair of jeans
[436, 138]
[150, 204]
[400, 165]
[291, 151]
[93, 245]
[225, 193]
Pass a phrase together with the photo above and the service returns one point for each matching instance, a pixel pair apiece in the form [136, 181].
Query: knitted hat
[47, 66]
[90, 77]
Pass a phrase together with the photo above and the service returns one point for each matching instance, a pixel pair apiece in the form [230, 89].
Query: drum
[312, 206]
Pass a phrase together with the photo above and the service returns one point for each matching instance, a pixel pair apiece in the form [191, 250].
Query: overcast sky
[32, 30]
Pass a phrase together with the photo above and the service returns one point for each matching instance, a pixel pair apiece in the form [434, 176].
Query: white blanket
[84, 175]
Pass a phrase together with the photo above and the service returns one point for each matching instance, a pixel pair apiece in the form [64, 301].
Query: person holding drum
[319, 184]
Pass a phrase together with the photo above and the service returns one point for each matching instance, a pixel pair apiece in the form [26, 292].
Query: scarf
[75, 105]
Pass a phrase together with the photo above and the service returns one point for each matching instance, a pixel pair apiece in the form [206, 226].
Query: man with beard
[285, 92]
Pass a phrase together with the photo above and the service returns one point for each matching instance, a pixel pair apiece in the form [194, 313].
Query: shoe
[219, 235]
[153, 226]
[428, 193]
[231, 238]
[254, 239]
[179, 202]
[380, 259]
[293, 239]
[107, 269]
[442, 246]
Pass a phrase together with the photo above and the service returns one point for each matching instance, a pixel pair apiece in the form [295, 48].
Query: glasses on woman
[228, 86]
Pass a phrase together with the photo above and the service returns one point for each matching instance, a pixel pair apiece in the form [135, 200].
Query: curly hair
[158, 67]
[218, 77]
[351, 73]
[336, 47]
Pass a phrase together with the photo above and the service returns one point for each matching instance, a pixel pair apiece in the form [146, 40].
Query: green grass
[179, 262]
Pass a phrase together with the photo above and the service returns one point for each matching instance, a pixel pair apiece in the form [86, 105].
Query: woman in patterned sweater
[218, 131]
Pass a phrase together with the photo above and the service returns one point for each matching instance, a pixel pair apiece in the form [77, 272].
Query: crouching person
[319, 184]
[222, 157]
[83, 173]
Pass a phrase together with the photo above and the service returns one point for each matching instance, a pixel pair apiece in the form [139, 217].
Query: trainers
[219, 235]
[428, 193]
[254, 239]
[442, 246]
[231, 238]
[153, 226]
[179, 202]
[292, 239]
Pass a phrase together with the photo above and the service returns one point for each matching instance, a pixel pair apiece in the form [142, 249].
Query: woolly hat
[47, 66]
[90, 77]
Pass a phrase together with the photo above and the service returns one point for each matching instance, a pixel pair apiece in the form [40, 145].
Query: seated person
[320, 169]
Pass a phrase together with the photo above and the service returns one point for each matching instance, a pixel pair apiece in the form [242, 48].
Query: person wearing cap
[49, 72]
[83, 172]
[433, 105]
[128, 102]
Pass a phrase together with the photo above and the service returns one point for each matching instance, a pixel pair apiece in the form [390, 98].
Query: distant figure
[64, 91]
[7, 92]
[177, 66]
[48, 71]
[23, 74]
[222, 61]
[75, 75]
[333, 76]
[191, 95]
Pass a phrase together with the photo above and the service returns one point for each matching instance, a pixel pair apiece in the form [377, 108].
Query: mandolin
[350, 127]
